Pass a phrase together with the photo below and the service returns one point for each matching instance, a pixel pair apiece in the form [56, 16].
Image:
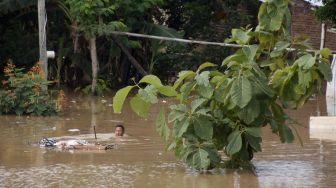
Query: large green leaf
[178, 107]
[325, 70]
[305, 78]
[239, 36]
[250, 112]
[200, 159]
[250, 52]
[279, 48]
[178, 112]
[278, 113]
[180, 127]
[325, 52]
[266, 63]
[205, 91]
[281, 78]
[234, 142]
[306, 61]
[222, 93]
[151, 79]
[203, 78]
[205, 65]
[139, 106]
[271, 14]
[217, 79]
[183, 75]
[196, 103]
[241, 91]
[262, 85]
[253, 131]
[119, 98]
[168, 91]
[176, 116]
[149, 94]
[203, 127]
[254, 142]
[161, 125]
[204, 112]
[237, 57]
[186, 90]
[285, 133]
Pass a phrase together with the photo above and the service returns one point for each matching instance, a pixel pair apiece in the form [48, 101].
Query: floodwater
[141, 160]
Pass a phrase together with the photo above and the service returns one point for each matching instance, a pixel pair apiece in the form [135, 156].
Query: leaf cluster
[225, 108]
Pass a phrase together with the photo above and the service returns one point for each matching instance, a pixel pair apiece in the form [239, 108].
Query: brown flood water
[141, 161]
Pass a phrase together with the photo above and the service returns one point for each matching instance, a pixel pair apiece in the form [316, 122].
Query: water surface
[141, 161]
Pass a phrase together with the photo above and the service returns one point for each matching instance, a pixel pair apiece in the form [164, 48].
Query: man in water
[81, 144]
[119, 130]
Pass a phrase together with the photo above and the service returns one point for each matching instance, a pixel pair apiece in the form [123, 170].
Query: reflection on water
[141, 161]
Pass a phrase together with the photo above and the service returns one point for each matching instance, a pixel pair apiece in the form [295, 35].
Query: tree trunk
[75, 37]
[134, 62]
[124, 71]
[94, 63]
[59, 66]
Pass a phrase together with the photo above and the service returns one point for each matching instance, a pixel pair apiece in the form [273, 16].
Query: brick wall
[304, 23]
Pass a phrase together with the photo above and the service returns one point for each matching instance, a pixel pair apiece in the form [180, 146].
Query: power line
[191, 41]
[177, 39]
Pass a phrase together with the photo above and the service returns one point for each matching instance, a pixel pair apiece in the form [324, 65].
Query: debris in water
[116, 121]
[73, 130]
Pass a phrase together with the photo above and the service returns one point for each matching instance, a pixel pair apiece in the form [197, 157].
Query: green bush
[101, 87]
[26, 93]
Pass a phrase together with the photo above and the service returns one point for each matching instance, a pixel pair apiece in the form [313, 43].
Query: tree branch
[134, 62]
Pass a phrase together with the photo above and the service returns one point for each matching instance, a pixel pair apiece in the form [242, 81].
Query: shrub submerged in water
[26, 93]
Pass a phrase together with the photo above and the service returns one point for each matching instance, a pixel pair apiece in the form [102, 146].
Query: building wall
[304, 23]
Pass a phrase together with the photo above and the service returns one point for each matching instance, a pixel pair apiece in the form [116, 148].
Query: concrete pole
[42, 36]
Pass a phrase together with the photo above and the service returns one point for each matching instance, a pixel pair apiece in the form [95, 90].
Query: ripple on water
[61, 175]
[284, 173]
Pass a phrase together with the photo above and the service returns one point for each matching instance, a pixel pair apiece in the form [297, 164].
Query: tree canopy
[327, 11]
[77, 21]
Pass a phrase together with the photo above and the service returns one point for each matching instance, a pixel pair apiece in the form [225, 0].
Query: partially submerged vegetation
[27, 93]
[225, 108]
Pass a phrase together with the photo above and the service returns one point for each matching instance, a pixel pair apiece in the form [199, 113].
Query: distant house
[305, 23]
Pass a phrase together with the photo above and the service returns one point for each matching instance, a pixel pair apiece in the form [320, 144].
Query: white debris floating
[322, 127]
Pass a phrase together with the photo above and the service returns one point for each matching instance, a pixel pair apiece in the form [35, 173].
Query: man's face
[118, 131]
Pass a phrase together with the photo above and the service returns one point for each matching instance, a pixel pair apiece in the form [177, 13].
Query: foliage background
[193, 19]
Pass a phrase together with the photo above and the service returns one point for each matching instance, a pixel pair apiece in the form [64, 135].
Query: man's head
[119, 130]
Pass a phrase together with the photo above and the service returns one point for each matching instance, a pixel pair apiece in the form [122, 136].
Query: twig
[94, 130]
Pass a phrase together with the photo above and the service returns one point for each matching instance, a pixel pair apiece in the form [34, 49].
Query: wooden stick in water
[94, 130]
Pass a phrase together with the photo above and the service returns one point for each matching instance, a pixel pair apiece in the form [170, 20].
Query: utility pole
[42, 36]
